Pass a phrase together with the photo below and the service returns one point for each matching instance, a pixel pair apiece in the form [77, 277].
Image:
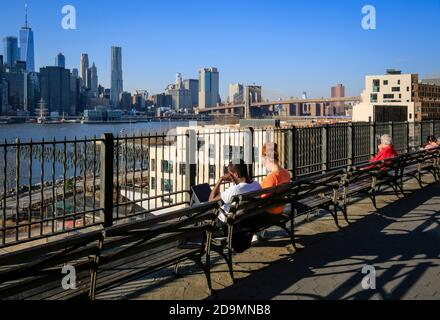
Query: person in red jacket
[386, 149]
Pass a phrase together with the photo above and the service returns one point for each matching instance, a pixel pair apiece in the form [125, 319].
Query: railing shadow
[367, 241]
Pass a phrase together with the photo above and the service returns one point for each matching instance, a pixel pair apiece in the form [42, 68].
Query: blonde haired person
[276, 176]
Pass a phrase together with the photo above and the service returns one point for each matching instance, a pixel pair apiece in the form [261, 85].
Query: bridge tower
[247, 103]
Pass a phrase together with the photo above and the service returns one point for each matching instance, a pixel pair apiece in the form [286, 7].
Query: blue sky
[287, 46]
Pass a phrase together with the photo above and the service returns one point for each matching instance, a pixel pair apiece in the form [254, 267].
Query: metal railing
[47, 188]
[53, 187]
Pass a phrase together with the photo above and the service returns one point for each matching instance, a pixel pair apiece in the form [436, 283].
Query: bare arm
[215, 194]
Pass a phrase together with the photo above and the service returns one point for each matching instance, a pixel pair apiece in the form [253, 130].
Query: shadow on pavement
[372, 240]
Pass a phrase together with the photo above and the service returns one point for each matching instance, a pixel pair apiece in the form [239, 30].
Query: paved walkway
[402, 243]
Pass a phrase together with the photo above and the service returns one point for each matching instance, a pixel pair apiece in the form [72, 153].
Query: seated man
[242, 183]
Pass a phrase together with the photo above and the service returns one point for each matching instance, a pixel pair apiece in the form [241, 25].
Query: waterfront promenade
[401, 241]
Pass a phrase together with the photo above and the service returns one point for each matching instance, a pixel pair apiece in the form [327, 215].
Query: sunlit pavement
[401, 242]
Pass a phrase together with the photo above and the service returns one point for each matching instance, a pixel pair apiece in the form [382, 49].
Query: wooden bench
[417, 164]
[247, 206]
[299, 198]
[107, 258]
[320, 192]
[136, 249]
[36, 273]
[369, 178]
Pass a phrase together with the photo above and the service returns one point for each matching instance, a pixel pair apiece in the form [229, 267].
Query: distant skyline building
[55, 89]
[27, 45]
[75, 96]
[179, 81]
[162, 100]
[94, 79]
[17, 79]
[88, 84]
[60, 60]
[208, 88]
[10, 51]
[75, 72]
[338, 91]
[140, 99]
[4, 96]
[83, 67]
[304, 95]
[193, 86]
[126, 101]
[236, 93]
[116, 85]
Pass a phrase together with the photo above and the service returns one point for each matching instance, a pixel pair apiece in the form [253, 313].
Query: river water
[36, 132]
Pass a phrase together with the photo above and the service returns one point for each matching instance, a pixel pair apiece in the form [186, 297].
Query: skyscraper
[17, 78]
[208, 88]
[60, 60]
[116, 76]
[55, 89]
[193, 86]
[83, 66]
[75, 96]
[10, 50]
[179, 83]
[27, 45]
[75, 73]
[89, 79]
[236, 93]
[94, 79]
[338, 92]
[4, 101]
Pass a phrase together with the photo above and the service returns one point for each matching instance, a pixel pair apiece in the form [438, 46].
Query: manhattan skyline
[286, 46]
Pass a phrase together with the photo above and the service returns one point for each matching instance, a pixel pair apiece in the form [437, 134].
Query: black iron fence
[50, 188]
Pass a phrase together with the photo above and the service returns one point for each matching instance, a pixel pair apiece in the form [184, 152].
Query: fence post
[421, 134]
[325, 148]
[249, 153]
[432, 128]
[191, 163]
[408, 146]
[391, 129]
[291, 143]
[350, 139]
[372, 139]
[106, 178]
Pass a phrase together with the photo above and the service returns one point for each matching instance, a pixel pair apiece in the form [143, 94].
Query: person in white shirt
[238, 175]
[242, 183]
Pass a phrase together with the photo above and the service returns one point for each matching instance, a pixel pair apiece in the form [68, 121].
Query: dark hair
[240, 168]
[431, 139]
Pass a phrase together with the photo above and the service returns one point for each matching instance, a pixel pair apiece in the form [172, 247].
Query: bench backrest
[368, 170]
[254, 203]
[36, 273]
[328, 183]
[166, 230]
